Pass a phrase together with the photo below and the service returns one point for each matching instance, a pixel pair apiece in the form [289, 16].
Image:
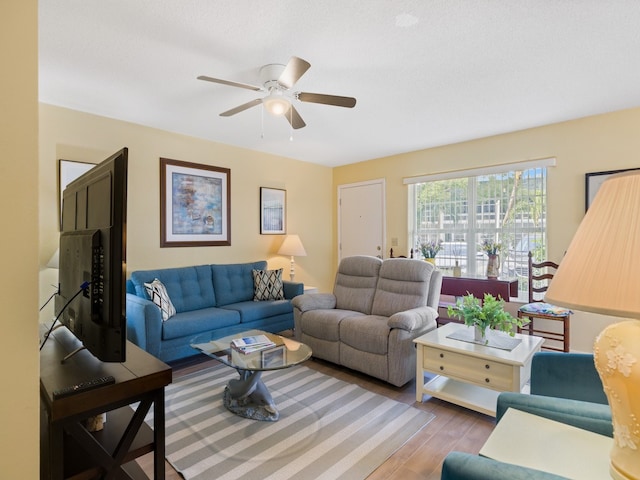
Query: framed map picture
[195, 204]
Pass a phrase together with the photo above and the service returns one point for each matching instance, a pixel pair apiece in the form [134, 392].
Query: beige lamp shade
[599, 273]
[292, 246]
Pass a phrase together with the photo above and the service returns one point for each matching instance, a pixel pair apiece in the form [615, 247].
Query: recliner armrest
[314, 301]
[591, 416]
[566, 375]
[414, 319]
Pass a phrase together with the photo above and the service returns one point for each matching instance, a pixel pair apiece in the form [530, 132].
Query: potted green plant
[430, 249]
[483, 314]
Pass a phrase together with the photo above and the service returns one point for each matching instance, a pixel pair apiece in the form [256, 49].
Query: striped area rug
[328, 429]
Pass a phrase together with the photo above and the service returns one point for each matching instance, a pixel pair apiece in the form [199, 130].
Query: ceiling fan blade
[230, 83]
[293, 71]
[294, 118]
[348, 102]
[241, 108]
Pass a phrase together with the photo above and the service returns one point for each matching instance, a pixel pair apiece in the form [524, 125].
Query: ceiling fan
[277, 81]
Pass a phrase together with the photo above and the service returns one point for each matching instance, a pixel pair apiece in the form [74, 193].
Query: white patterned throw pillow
[158, 294]
[267, 285]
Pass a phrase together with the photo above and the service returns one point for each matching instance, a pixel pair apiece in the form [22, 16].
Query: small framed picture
[273, 211]
[594, 180]
[273, 357]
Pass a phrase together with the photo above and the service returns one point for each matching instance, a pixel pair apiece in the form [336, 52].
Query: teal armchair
[565, 387]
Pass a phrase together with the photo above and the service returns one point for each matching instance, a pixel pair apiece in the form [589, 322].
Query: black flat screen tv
[93, 258]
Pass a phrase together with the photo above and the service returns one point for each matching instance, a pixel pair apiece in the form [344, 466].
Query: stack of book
[251, 344]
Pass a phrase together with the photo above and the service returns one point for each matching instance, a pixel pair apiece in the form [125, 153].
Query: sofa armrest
[466, 466]
[566, 375]
[292, 289]
[594, 417]
[144, 323]
[314, 301]
[414, 319]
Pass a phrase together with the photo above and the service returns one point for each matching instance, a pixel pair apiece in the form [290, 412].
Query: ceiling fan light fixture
[276, 104]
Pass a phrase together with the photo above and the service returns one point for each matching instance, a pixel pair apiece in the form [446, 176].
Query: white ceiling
[424, 72]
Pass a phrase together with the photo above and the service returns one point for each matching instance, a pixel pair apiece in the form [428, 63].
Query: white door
[361, 217]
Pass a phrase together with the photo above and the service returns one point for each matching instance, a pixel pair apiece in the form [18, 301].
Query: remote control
[83, 386]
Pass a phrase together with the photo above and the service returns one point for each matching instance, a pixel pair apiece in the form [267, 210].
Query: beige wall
[19, 410]
[598, 143]
[591, 144]
[73, 135]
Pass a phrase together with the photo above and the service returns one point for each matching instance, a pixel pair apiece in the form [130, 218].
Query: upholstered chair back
[356, 282]
[403, 284]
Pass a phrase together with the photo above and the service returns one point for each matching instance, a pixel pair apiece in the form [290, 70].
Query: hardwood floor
[453, 428]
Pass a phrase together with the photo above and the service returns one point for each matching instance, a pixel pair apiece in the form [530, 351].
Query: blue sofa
[211, 301]
[565, 387]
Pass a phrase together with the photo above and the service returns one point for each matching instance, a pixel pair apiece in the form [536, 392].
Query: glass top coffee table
[248, 396]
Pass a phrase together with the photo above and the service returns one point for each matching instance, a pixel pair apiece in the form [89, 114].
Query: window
[509, 207]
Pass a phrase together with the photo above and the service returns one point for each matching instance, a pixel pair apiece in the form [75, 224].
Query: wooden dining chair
[540, 313]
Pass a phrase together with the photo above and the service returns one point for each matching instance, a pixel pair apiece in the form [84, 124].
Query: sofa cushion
[325, 324]
[403, 285]
[356, 282]
[190, 288]
[267, 285]
[367, 333]
[233, 283]
[158, 294]
[251, 311]
[198, 321]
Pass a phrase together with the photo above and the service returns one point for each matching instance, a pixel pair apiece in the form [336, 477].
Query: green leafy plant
[431, 248]
[488, 313]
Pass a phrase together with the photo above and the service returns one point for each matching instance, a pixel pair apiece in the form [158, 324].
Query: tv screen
[92, 264]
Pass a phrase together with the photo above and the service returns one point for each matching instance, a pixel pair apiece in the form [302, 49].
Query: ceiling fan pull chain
[262, 122]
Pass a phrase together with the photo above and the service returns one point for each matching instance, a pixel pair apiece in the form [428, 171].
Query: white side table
[310, 289]
[528, 440]
[469, 374]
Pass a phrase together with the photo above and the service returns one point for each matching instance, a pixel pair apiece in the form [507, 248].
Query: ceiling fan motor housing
[269, 75]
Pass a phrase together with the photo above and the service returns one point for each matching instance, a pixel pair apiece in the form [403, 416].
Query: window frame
[473, 228]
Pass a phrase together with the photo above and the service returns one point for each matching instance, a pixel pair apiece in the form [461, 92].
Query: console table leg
[158, 436]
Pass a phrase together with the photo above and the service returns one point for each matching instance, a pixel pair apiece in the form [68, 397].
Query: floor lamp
[600, 273]
[292, 246]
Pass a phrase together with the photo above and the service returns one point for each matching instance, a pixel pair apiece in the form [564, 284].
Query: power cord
[51, 297]
[83, 287]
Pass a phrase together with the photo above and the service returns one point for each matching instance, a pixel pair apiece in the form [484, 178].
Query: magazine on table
[252, 343]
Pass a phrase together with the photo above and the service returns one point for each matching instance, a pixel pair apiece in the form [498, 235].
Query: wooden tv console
[67, 449]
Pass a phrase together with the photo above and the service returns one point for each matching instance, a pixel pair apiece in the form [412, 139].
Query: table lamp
[600, 273]
[292, 246]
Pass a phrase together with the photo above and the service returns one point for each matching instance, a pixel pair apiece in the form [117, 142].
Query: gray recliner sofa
[370, 320]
